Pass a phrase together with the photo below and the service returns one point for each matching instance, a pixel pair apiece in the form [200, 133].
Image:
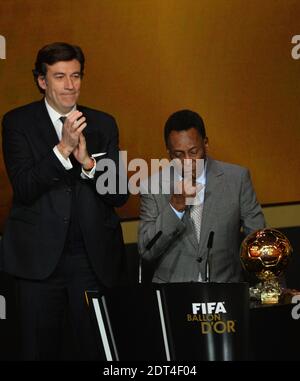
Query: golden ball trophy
[266, 253]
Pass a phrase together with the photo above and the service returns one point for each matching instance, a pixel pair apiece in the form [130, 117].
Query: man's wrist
[64, 150]
[88, 165]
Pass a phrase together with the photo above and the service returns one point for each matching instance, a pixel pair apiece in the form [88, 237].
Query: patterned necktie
[196, 216]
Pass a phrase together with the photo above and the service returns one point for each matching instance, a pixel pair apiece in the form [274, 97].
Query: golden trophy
[266, 253]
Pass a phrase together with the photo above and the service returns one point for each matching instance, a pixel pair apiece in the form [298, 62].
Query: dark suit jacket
[35, 232]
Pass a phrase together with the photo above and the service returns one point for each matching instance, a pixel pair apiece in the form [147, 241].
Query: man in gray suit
[174, 235]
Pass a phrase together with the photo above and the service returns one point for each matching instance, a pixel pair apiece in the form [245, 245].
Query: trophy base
[270, 289]
[258, 297]
[266, 292]
[269, 298]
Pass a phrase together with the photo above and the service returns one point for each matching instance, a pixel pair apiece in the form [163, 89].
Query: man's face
[62, 85]
[184, 145]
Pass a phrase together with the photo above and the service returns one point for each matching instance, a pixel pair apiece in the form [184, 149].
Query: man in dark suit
[62, 237]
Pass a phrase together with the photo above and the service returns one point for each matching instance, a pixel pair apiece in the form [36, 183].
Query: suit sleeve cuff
[89, 174]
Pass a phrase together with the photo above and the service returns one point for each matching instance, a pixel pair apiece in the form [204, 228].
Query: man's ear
[206, 145]
[42, 82]
[170, 154]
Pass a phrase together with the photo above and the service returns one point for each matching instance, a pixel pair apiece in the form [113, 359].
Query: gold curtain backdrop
[230, 60]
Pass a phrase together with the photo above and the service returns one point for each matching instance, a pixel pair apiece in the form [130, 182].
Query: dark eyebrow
[178, 150]
[62, 73]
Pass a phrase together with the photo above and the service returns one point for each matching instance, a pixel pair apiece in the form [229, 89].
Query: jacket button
[66, 220]
[69, 190]
[199, 259]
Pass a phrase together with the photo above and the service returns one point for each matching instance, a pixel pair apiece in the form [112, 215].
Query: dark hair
[184, 120]
[55, 52]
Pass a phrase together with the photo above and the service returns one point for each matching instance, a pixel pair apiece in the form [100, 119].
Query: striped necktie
[196, 216]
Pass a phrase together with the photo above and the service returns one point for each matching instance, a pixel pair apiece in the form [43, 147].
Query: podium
[174, 321]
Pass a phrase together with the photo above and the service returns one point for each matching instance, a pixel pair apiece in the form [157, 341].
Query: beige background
[230, 60]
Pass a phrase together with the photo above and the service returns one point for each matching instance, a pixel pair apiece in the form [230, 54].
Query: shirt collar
[54, 115]
[202, 178]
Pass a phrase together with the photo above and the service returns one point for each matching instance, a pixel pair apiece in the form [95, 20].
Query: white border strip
[140, 270]
[102, 329]
[110, 329]
[163, 325]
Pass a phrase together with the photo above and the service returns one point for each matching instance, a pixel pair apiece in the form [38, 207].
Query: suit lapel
[45, 126]
[213, 192]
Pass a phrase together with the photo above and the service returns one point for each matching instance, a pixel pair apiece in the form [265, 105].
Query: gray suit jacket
[229, 204]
